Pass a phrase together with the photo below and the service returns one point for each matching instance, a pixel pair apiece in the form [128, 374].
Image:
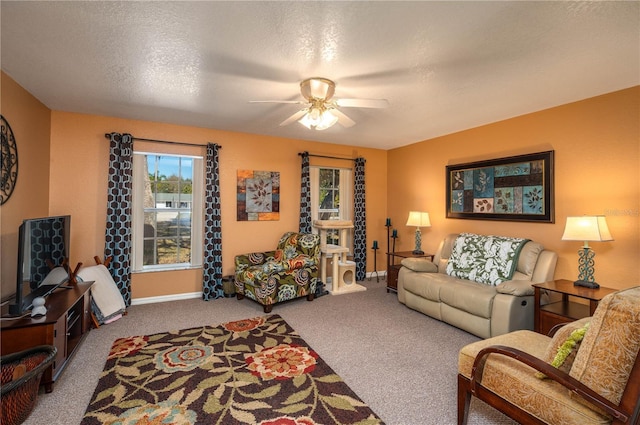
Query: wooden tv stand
[65, 325]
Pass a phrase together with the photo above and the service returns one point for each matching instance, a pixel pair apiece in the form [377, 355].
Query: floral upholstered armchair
[288, 272]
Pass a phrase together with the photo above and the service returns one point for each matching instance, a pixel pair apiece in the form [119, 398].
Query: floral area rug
[254, 371]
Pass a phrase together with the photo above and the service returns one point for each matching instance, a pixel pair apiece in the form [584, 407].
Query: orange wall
[596, 144]
[63, 169]
[30, 121]
[79, 166]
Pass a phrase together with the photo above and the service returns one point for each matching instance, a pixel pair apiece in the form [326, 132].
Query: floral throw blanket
[256, 371]
[484, 259]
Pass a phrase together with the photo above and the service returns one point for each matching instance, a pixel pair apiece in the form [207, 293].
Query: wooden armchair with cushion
[288, 272]
[587, 373]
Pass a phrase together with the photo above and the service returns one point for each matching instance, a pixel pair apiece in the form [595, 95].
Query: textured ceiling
[443, 66]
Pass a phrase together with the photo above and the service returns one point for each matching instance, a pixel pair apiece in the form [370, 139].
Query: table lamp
[418, 219]
[586, 229]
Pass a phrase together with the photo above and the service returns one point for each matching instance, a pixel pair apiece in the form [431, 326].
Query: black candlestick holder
[375, 263]
[388, 226]
[394, 236]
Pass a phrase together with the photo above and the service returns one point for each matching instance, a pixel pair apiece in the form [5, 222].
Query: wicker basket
[19, 395]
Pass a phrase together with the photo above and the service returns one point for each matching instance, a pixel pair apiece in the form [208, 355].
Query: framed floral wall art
[258, 195]
[516, 188]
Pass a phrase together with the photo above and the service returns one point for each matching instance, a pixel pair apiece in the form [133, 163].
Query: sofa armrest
[545, 267]
[518, 288]
[420, 265]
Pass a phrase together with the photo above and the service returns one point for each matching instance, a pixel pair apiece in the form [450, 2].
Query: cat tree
[343, 276]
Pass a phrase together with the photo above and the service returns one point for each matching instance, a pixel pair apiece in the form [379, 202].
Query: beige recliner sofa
[481, 309]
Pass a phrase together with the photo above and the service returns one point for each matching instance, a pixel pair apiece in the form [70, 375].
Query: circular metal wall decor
[9, 159]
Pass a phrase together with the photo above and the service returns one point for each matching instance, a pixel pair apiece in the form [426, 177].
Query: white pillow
[56, 276]
[104, 291]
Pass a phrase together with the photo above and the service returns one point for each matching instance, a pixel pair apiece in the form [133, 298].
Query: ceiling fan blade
[377, 77]
[293, 118]
[238, 67]
[278, 101]
[343, 119]
[363, 103]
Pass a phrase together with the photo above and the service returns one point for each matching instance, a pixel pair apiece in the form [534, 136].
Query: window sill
[166, 269]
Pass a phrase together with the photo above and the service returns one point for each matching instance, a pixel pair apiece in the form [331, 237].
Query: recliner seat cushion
[416, 283]
[471, 297]
[474, 298]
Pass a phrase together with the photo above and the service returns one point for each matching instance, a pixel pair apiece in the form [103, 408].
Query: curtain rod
[107, 135]
[326, 156]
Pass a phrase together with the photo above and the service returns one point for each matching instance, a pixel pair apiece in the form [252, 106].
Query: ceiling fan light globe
[321, 111]
[315, 115]
[307, 121]
[327, 120]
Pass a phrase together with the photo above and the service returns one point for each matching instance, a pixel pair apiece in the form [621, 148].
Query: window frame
[345, 186]
[138, 211]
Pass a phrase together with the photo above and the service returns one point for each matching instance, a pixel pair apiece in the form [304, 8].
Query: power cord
[28, 313]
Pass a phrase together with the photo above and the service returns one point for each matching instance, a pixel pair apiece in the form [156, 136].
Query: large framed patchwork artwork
[258, 195]
[516, 188]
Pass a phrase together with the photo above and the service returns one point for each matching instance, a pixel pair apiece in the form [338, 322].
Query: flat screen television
[43, 255]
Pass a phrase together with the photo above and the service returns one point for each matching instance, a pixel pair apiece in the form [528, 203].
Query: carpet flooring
[401, 363]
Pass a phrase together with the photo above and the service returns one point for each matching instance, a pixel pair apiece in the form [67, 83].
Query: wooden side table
[564, 311]
[393, 269]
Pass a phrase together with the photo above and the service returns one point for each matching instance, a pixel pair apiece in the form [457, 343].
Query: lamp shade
[587, 228]
[418, 219]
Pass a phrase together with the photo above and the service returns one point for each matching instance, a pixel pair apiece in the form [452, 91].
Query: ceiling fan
[321, 110]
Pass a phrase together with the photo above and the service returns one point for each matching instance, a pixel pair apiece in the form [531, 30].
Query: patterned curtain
[359, 221]
[118, 229]
[305, 196]
[212, 267]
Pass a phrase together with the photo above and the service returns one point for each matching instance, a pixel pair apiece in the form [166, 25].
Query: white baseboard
[381, 274]
[191, 295]
[165, 298]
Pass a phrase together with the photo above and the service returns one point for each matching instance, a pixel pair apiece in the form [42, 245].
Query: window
[332, 197]
[329, 193]
[167, 211]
